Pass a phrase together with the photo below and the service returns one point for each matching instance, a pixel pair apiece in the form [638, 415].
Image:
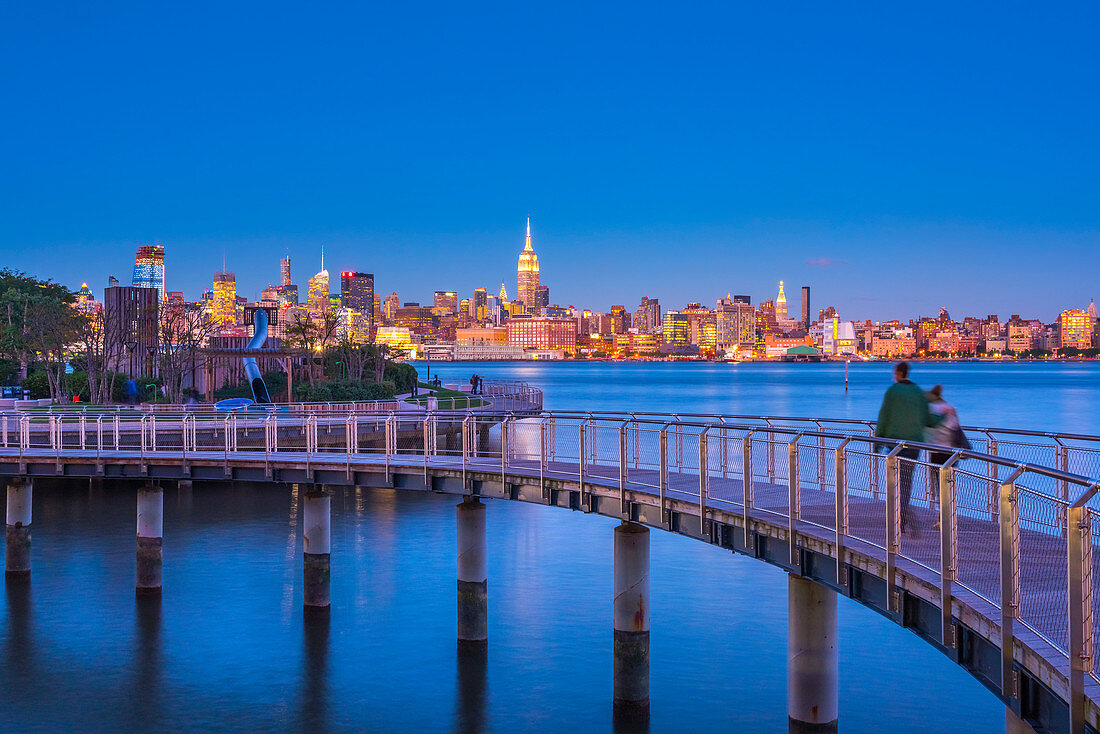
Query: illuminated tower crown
[781, 304]
[527, 274]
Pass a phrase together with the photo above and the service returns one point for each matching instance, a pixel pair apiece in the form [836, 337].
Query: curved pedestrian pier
[987, 554]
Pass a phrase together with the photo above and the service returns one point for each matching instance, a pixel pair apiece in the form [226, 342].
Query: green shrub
[344, 390]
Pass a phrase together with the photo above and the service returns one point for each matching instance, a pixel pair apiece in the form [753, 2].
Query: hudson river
[227, 648]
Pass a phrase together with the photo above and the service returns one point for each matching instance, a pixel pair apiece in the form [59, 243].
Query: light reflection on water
[228, 647]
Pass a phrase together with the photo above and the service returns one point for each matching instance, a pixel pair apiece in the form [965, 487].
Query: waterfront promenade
[812, 498]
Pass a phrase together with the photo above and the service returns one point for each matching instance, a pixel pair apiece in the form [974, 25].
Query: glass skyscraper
[149, 268]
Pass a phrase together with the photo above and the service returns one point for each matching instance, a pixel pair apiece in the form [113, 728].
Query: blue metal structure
[255, 380]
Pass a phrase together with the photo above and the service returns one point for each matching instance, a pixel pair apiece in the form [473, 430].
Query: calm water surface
[228, 649]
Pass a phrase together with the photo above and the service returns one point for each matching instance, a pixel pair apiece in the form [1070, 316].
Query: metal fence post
[679, 446]
[893, 528]
[581, 460]
[542, 459]
[662, 480]
[624, 510]
[794, 501]
[387, 440]
[1061, 457]
[1010, 578]
[840, 455]
[637, 437]
[704, 477]
[428, 446]
[770, 451]
[949, 548]
[723, 437]
[992, 469]
[873, 464]
[1079, 534]
[503, 456]
[746, 484]
[465, 450]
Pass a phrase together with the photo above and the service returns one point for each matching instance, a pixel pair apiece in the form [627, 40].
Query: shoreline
[694, 360]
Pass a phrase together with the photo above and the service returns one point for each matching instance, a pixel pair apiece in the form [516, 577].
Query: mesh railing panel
[979, 541]
[866, 472]
[1044, 598]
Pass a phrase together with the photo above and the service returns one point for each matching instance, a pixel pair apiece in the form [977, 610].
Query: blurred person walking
[904, 416]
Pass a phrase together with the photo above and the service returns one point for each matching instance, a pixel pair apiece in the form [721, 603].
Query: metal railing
[1012, 539]
[502, 395]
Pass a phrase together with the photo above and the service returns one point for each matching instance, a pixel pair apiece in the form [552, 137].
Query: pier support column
[17, 558]
[811, 657]
[631, 643]
[150, 538]
[316, 532]
[473, 625]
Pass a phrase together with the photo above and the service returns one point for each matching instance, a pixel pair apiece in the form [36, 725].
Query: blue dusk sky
[896, 158]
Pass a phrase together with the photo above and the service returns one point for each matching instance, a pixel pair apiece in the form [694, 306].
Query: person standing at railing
[904, 416]
[947, 432]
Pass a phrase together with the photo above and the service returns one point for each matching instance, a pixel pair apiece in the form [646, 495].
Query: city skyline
[679, 152]
[423, 292]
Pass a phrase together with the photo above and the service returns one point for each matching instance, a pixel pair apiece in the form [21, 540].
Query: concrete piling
[17, 558]
[317, 535]
[631, 645]
[473, 627]
[150, 538]
[812, 669]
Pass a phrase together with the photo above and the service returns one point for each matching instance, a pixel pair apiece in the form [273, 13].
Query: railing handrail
[1063, 515]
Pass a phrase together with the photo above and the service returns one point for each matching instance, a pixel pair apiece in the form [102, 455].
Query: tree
[98, 347]
[39, 324]
[302, 333]
[183, 332]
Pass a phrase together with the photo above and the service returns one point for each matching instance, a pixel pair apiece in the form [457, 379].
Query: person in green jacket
[903, 416]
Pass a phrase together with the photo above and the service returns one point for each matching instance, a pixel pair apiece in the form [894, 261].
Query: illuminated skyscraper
[357, 293]
[285, 271]
[389, 310]
[1075, 329]
[445, 303]
[224, 304]
[736, 325]
[149, 268]
[317, 301]
[478, 304]
[527, 274]
[85, 301]
[781, 305]
[542, 296]
[647, 317]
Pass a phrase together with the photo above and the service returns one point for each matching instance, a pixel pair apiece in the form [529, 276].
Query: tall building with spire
[285, 271]
[527, 274]
[781, 305]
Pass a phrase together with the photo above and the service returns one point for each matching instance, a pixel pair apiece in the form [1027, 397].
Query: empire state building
[527, 274]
